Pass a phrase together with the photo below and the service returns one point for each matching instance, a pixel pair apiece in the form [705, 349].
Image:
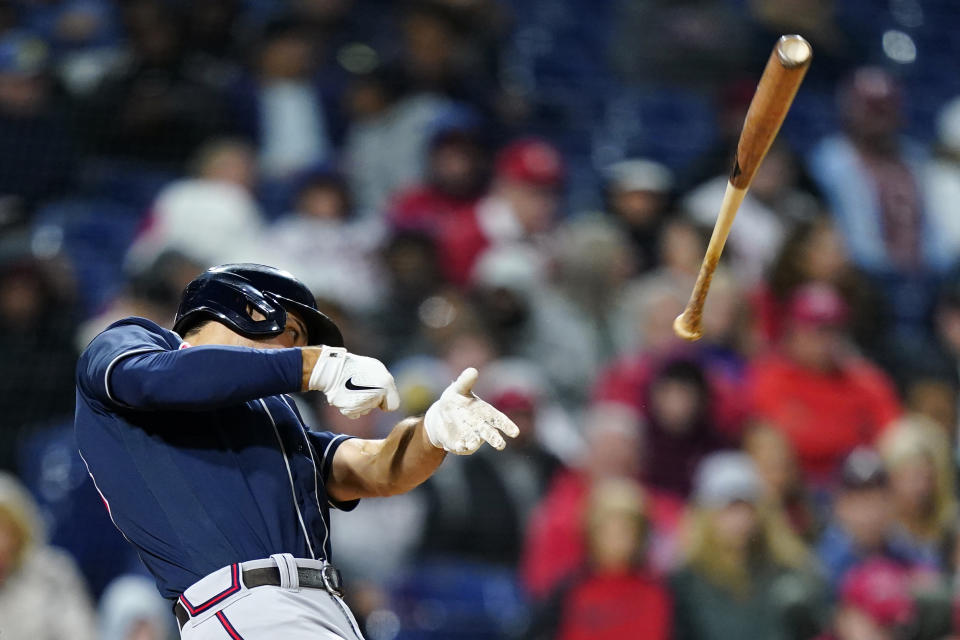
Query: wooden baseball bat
[781, 78]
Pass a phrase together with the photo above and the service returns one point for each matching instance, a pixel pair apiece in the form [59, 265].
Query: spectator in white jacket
[323, 239]
[942, 175]
[211, 217]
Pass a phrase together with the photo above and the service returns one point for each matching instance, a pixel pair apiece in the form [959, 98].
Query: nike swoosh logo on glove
[357, 387]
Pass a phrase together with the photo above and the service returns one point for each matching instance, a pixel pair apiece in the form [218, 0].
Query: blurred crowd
[524, 186]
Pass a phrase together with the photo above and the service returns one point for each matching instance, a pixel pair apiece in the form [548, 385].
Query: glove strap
[328, 368]
[431, 423]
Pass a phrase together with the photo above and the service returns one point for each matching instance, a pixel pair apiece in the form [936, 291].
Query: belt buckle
[331, 580]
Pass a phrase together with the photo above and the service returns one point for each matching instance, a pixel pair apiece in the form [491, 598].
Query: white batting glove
[460, 422]
[354, 384]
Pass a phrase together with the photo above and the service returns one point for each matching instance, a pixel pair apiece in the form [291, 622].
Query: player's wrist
[309, 357]
[327, 368]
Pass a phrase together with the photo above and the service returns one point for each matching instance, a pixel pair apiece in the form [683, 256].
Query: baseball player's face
[294, 334]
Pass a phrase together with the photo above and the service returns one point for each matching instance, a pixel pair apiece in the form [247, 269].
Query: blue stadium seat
[127, 182]
[95, 235]
[73, 512]
[670, 125]
[458, 600]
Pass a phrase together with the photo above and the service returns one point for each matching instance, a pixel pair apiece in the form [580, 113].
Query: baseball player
[207, 468]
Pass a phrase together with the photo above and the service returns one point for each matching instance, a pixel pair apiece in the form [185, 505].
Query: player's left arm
[378, 468]
[459, 422]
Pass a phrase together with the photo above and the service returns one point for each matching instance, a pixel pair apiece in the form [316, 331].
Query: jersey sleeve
[325, 444]
[133, 367]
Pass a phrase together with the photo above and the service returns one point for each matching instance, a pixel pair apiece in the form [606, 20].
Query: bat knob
[685, 330]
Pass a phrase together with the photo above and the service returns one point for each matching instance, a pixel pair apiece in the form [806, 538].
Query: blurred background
[524, 186]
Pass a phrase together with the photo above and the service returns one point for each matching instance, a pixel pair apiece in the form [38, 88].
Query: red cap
[532, 161]
[818, 304]
[880, 589]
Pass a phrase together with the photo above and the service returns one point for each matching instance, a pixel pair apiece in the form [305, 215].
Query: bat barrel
[787, 65]
[781, 78]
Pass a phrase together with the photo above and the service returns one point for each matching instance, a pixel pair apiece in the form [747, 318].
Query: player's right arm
[135, 367]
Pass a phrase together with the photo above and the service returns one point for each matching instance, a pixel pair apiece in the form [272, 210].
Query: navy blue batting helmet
[227, 294]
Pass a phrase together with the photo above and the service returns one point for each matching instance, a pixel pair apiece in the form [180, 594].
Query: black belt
[327, 578]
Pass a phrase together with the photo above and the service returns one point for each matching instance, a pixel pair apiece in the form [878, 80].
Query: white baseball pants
[225, 609]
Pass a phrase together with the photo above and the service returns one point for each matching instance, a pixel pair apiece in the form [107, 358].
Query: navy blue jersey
[199, 457]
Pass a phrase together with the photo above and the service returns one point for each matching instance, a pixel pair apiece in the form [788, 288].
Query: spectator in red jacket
[815, 390]
[555, 546]
[456, 177]
[613, 597]
[521, 206]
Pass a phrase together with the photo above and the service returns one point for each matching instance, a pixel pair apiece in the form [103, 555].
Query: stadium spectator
[157, 107]
[922, 487]
[637, 195]
[528, 318]
[37, 356]
[940, 359]
[509, 486]
[820, 23]
[693, 43]
[861, 523]
[614, 596]
[323, 238]
[591, 263]
[520, 382]
[875, 602]
[679, 251]
[652, 301]
[455, 176]
[34, 576]
[385, 144]
[781, 480]
[522, 207]
[934, 399]
[211, 217]
[941, 186]
[745, 574]
[41, 151]
[439, 51]
[698, 410]
[282, 107]
[681, 425]
[555, 546]
[650, 306]
[871, 176]
[825, 399]
[151, 291]
[773, 205]
[813, 252]
[411, 277]
[211, 36]
[727, 340]
[131, 609]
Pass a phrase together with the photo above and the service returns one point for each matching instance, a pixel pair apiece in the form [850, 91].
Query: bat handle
[689, 324]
